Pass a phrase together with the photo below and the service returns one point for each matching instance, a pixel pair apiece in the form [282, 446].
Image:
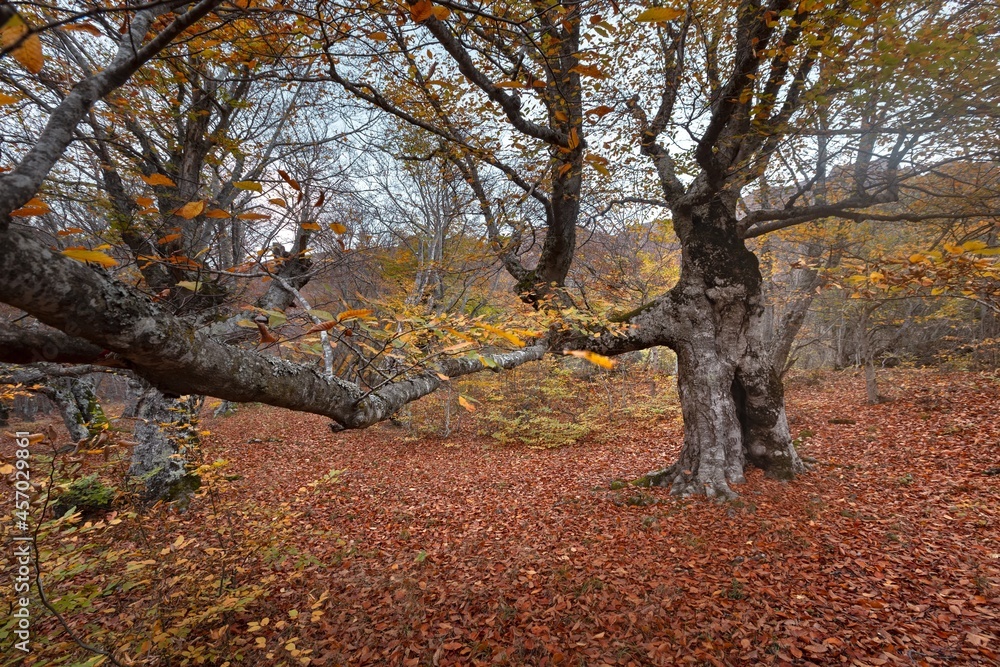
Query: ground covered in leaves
[426, 550]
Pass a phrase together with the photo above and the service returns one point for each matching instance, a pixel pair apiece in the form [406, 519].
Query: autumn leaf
[589, 70]
[421, 10]
[502, 334]
[338, 228]
[33, 207]
[466, 403]
[252, 186]
[378, 36]
[357, 313]
[144, 201]
[191, 210]
[322, 326]
[28, 51]
[217, 213]
[288, 179]
[169, 238]
[6, 99]
[592, 357]
[253, 216]
[278, 201]
[655, 14]
[69, 231]
[85, 255]
[190, 285]
[440, 12]
[158, 179]
[311, 226]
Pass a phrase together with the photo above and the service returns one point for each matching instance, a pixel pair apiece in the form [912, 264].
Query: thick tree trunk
[166, 436]
[731, 394]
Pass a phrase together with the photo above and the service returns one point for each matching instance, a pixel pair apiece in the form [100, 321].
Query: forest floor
[462, 550]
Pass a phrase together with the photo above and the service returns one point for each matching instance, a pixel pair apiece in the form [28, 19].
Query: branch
[20, 185]
[27, 346]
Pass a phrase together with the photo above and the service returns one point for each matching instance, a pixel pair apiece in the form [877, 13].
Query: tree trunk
[731, 394]
[78, 406]
[166, 436]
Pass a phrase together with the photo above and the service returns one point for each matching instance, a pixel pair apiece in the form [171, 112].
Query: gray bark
[166, 436]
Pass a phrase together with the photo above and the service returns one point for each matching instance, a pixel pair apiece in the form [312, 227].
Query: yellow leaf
[654, 14]
[442, 377]
[29, 50]
[261, 642]
[466, 403]
[916, 258]
[503, 334]
[192, 209]
[440, 13]
[248, 185]
[875, 276]
[973, 246]
[6, 469]
[937, 291]
[217, 213]
[158, 179]
[421, 10]
[953, 249]
[189, 285]
[84, 255]
[6, 99]
[353, 314]
[338, 228]
[312, 226]
[592, 357]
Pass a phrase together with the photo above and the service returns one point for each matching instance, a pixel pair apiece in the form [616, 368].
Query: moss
[89, 495]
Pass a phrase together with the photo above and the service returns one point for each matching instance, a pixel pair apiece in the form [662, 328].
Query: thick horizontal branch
[178, 358]
[19, 345]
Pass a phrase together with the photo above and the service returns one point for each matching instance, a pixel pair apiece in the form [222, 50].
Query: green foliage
[87, 494]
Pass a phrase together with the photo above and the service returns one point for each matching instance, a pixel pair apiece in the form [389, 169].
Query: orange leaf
[69, 231]
[217, 213]
[288, 179]
[378, 36]
[338, 228]
[158, 179]
[168, 238]
[601, 111]
[34, 206]
[144, 201]
[323, 326]
[440, 13]
[421, 10]
[253, 216]
[312, 226]
[466, 403]
[29, 50]
[592, 357]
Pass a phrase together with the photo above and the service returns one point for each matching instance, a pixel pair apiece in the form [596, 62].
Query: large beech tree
[706, 100]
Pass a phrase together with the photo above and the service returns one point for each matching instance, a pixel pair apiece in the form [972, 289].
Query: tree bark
[166, 436]
[731, 395]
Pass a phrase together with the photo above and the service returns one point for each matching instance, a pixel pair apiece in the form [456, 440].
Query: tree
[731, 95]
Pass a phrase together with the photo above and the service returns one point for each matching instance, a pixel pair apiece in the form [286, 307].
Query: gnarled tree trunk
[78, 406]
[731, 394]
[166, 436]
